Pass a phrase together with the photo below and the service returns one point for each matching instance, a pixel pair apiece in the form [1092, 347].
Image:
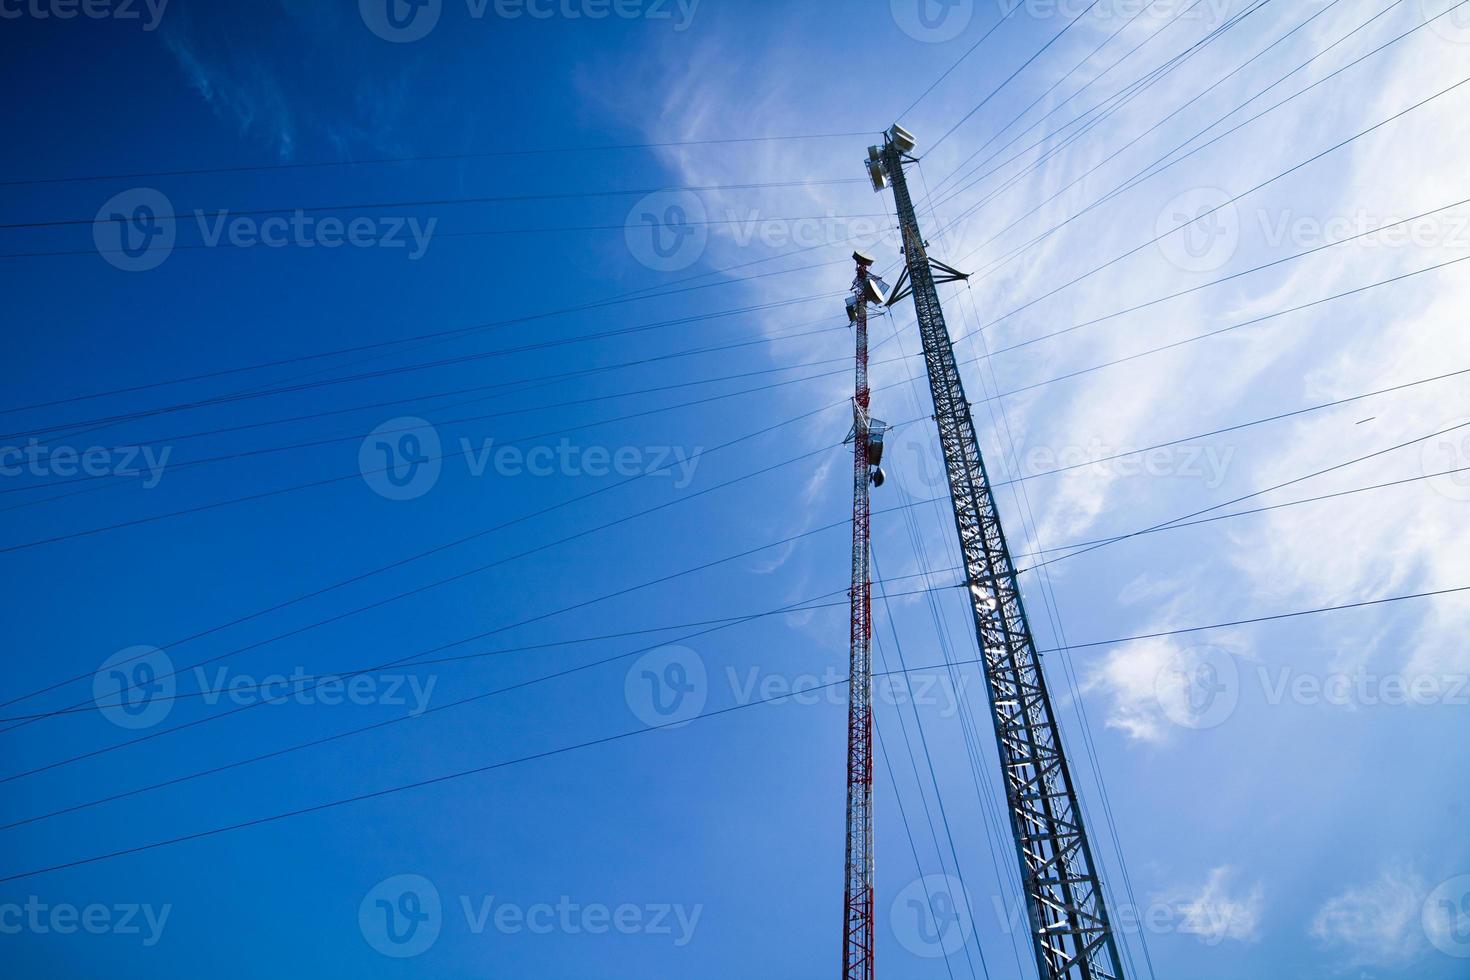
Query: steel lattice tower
[857, 919]
[1068, 918]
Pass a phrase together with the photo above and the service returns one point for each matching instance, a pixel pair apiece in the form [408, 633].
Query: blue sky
[1284, 794]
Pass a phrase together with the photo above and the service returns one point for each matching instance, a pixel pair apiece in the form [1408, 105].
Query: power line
[460, 359]
[1024, 65]
[1180, 524]
[1230, 278]
[961, 60]
[1160, 165]
[1278, 177]
[377, 794]
[1123, 98]
[436, 236]
[1060, 105]
[715, 625]
[929, 762]
[551, 753]
[617, 299]
[424, 158]
[1226, 329]
[450, 201]
[1257, 493]
[476, 535]
[531, 409]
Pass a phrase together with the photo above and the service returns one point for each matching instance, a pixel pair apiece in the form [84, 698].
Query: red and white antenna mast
[867, 438]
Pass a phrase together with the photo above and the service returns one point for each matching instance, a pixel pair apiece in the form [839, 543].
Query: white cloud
[1221, 912]
[1376, 924]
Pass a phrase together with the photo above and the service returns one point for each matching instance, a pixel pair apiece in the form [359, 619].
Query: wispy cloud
[1376, 924]
[240, 88]
[1222, 910]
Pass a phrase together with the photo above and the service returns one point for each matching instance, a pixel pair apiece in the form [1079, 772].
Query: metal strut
[857, 922]
[1070, 931]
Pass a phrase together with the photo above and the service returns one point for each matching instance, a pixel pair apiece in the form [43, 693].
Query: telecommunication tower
[1070, 931]
[867, 453]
